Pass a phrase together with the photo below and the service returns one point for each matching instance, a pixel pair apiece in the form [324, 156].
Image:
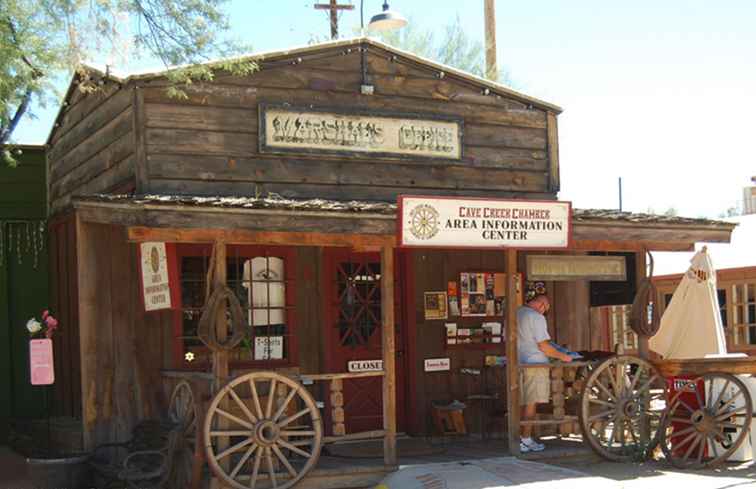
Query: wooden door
[353, 332]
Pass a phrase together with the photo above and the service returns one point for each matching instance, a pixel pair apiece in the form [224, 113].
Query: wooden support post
[389, 366]
[640, 267]
[492, 70]
[337, 407]
[220, 357]
[513, 376]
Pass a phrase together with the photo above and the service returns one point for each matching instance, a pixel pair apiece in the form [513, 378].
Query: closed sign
[365, 366]
[437, 364]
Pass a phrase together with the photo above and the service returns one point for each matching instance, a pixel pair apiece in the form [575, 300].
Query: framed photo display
[482, 293]
[435, 305]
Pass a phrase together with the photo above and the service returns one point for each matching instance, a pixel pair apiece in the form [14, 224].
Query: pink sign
[41, 362]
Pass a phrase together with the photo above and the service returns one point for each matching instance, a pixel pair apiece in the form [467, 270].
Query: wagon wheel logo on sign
[424, 221]
[155, 259]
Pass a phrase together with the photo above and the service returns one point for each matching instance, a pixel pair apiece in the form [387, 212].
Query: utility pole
[492, 70]
[334, 8]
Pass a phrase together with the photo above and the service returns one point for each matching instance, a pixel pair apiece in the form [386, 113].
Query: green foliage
[44, 39]
[454, 48]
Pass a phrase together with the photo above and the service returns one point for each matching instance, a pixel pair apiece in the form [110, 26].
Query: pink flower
[45, 313]
[51, 322]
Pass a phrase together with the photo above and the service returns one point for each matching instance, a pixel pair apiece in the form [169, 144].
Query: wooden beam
[389, 364]
[240, 236]
[140, 143]
[513, 371]
[553, 145]
[220, 357]
[640, 275]
[609, 245]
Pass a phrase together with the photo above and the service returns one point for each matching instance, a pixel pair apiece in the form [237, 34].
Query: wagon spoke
[255, 398]
[632, 431]
[704, 440]
[297, 433]
[637, 377]
[241, 405]
[603, 403]
[687, 406]
[648, 383]
[604, 389]
[271, 470]
[230, 433]
[284, 461]
[682, 432]
[255, 469]
[729, 402]
[293, 417]
[230, 416]
[243, 460]
[733, 425]
[294, 449]
[600, 415]
[692, 446]
[681, 420]
[271, 397]
[735, 413]
[235, 448]
[698, 395]
[612, 382]
[283, 406]
[721, 393]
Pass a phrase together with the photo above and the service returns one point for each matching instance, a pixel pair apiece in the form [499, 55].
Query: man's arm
[551, 352]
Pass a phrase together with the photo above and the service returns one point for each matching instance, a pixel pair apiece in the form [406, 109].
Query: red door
[353, 333]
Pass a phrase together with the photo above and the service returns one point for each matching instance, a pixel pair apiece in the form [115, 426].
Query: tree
[41, 40]
[455, 49]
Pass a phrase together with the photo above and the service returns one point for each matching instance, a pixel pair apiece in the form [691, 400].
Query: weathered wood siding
[123, 348]
[92, 148]
[207, 144]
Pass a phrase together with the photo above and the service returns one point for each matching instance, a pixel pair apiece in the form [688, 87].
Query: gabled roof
[270, 56]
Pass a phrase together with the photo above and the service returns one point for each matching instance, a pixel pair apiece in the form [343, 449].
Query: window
[262, 279]
[742, 310]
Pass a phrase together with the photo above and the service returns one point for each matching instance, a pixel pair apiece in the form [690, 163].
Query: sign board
[41, 365]
[565, 268]
[358, 133]
[365, 366]
[483, 223]
[269, 347]
[156, 287]
[437, 364]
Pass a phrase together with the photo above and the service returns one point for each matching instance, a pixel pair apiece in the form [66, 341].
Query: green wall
[23, 281]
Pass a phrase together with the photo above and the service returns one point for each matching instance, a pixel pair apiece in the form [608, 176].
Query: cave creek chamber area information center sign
[483, 223]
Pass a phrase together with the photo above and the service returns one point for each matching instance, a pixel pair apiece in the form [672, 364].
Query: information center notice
[483, 223]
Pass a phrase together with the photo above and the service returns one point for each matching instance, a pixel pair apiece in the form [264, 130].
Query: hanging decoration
[23, 238]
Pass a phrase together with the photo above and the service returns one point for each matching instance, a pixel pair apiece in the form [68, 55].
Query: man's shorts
[535, 385]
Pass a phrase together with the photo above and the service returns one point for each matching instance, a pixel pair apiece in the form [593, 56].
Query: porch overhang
[319, 222]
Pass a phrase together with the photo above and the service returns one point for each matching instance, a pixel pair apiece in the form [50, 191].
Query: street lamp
[385, 21]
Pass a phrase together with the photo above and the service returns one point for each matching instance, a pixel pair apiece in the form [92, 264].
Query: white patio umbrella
[691, 326]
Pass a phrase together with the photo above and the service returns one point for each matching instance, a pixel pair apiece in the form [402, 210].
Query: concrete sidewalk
[13, 470]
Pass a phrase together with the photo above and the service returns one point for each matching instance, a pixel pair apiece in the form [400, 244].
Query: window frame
[288, 255]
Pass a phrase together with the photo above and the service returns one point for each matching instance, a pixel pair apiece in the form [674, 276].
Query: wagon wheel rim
[183, 411]
[621, 409]
[706, 433]
[272, 441]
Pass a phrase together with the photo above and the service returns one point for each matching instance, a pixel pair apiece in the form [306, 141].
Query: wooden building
[292, 166]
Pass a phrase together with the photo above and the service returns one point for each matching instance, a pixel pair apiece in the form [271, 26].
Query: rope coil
[643, 321]
[207, 331]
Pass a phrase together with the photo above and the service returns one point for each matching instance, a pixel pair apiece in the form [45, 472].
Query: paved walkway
[12, 470]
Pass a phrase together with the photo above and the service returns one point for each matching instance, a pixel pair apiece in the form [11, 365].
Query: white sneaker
[531, 445]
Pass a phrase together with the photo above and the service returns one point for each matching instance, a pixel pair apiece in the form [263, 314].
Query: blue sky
[659, 93]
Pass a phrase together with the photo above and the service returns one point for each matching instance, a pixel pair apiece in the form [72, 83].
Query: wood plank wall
[207, 144]
[65, 299]
[123, 349]
[92, 148]
[432, 271]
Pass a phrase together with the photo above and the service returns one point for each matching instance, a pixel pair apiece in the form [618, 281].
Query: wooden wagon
[696, 411]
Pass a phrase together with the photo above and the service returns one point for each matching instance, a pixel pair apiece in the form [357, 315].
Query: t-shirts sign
[155, 281]
[483, 223]
[41, 365]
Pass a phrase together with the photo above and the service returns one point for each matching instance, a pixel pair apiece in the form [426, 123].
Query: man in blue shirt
[534, 347]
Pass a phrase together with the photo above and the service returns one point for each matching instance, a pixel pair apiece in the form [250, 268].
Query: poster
[482, 294]
[269, 347]
[435, 305]
[451, 333]
[156, 287]
[41, 365]
[451, 290]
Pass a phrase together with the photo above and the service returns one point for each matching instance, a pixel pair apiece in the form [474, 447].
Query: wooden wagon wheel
[182, 410]
[273, 432]
[705, 432]
[621, 408]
